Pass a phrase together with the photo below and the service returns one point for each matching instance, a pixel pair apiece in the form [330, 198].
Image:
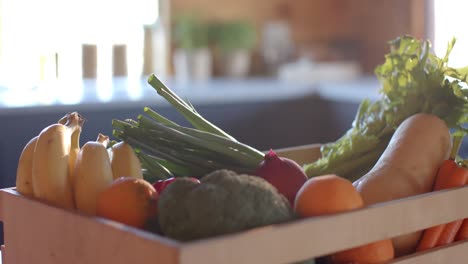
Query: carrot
[451, 229]
[443, 175]
[446, 178]
[449, 233]
[463, 232]
[431, 235]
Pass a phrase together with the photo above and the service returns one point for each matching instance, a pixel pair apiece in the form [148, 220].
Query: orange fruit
[326, 194]
[128, 200]
[329, 194]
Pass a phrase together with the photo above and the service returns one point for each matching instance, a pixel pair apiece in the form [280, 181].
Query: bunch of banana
[53, 168]
[43, 168]
[97, 167]
[24, 183]
[24, 170]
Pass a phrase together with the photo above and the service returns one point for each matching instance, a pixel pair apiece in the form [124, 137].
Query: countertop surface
[122, 92]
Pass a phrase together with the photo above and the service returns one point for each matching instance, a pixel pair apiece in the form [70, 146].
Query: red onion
[283, 173]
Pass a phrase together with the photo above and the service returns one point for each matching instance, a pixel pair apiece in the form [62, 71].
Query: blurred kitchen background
[272, 73]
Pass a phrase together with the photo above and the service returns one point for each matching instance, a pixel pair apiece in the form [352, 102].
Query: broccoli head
[224, 202]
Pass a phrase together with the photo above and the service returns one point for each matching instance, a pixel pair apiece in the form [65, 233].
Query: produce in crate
[413, 80]
[449, 175]
[124, 161]
[74, 151]
[92, 174]
[407, 167]
[285, 174]
[129, 200]
[161, 185]
[51, 182]
[462, 233]
[224, 202]
[24, 169]
[167, 149]
[331, 194]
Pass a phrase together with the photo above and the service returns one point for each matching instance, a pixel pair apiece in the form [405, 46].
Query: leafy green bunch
[413, 80]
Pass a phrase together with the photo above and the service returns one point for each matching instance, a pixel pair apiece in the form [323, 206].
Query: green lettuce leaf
[413, 80]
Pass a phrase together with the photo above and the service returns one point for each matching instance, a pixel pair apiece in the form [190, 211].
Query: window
[42, 44]
[449, 21]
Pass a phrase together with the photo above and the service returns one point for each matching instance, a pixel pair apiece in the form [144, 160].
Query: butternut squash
[407, 167]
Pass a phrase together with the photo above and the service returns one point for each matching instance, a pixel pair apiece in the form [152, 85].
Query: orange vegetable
[463, 232]
[128, 200]
[329, 194]
[408, 167]
[448, 176]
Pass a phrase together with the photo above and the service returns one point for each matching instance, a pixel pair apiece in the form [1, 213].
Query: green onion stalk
[167, 149]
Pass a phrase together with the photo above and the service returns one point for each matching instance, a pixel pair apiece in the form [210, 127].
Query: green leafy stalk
[220, 144]
[151, 113]
[186, 109]
[456, 144]
[197, 143]
[175, 169]
[155, 170]
[413, 80]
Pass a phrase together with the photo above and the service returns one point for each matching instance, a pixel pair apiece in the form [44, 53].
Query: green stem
[185, 156]
[197, 143]
[346, 168]
[151, 113]
[191, 115]
[176, 169]
[234, 149]
[157, 170]
[457, 140]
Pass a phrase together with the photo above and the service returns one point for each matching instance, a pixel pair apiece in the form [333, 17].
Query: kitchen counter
[91, 94]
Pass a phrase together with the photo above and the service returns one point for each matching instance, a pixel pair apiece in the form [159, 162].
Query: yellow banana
[125, 162]
[24, 183]
[51, 183]
[93, 173]
[24, 169]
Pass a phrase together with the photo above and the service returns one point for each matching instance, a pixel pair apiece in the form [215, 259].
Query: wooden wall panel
[367, 23]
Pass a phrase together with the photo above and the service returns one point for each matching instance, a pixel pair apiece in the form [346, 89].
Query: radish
[283, 173]
[162, 184]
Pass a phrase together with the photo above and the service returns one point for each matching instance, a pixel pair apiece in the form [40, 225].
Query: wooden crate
[38, 233]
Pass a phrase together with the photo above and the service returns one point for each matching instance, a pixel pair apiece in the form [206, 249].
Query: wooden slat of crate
[38, 233]
[451, 254]
[323, 235]
[52, 235]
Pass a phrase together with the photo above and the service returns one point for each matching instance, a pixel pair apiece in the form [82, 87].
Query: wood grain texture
[42, 234]
[452, 253]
